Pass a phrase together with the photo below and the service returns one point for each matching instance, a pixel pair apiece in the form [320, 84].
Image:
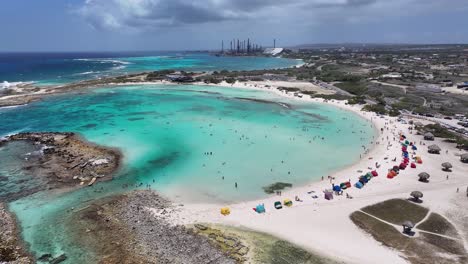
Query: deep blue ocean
[60, 68]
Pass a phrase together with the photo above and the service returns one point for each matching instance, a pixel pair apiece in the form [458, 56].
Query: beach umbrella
[416, 195]
[413, 166]
[374, 173]
[407, 142]
[434, 149]
[225, 211]
[446, 166]
[414, 147]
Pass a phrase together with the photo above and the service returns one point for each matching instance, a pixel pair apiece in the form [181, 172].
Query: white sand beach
[324, 226]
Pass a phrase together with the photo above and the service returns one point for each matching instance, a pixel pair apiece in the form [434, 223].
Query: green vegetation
[397, 211]
[377, 108]
[278, 186]
[438, 224]
[353, 87]
[357, 100]
[425, 248]
[289, 89]
[230, 80]
[158, 75]
[246, 246]
[442, 132]
[447, 244]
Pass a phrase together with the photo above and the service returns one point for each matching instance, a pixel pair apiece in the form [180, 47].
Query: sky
[128, 25]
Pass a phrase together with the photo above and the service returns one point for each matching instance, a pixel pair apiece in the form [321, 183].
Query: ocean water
[60, 68]
[191, 143]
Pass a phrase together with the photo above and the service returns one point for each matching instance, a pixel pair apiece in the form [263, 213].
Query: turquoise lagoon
[191, 143]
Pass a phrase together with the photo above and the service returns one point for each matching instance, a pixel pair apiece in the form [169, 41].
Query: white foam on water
[6, 84]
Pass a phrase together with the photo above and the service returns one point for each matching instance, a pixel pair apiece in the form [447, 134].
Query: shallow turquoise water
[165, 133]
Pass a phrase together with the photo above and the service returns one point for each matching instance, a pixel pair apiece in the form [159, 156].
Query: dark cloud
[117, 14]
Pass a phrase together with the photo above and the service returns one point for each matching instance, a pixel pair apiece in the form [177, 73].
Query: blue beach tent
[359, 185]
[260, 208]
[336, 188]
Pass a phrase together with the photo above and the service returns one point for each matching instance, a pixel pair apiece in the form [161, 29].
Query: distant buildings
[179, 77]
[447, 83]
[273, 51]
[391, 75]
[462, 85]
[427, 87]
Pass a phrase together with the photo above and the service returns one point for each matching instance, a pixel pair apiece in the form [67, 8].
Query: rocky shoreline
[65, 161]
[27, 93]
[122, 229]
[12, 251]
[137, 228]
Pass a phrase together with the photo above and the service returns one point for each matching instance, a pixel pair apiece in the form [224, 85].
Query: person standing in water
[235, 185]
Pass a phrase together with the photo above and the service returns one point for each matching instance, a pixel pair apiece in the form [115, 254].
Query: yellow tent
[287, 202]
[225, 211]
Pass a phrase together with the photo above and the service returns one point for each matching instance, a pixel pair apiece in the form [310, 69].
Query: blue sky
[98, 25]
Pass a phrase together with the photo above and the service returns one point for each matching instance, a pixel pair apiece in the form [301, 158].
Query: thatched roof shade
[408, 224]
[428, 136]
[447, 165]
[464, 157]
[434, 148]
[424, 175]
[416, 194]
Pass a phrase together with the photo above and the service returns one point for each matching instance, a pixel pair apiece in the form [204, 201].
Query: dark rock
[59, 259]
[45, 257]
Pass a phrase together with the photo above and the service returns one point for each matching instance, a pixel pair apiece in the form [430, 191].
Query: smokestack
[222, 46]
[274, 43]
